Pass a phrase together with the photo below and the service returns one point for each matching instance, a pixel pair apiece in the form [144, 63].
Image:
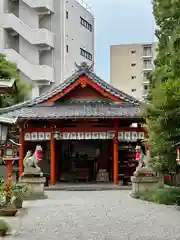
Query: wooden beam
[52, 160]
[21, 152]
[115, 153]
[85, 129]
[86, 81]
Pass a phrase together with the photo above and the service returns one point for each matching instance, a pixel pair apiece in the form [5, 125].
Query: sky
[119, 22]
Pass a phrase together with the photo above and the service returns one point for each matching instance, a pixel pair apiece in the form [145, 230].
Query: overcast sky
[120, 21]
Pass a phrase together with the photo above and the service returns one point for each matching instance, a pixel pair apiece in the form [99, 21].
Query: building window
[133, 90]
[133, 77]
[147, 64]
[67, 48]
[133, 52]
[67, 15]
[85, 24]
[86, 54]
[146, 75]
[146, 87]
[147, 51]
[133, 64]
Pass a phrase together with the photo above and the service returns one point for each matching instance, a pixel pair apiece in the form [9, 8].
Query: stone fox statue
[31, 162]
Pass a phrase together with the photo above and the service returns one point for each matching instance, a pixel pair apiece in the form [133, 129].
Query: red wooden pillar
[52, 160]
[115, 153]
[57, 151]
[21, 151]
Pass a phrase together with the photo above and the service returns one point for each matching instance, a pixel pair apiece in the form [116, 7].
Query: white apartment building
[130, 65]
[45, 38]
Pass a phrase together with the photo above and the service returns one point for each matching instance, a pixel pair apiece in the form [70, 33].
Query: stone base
[144, 184]
[35, 186]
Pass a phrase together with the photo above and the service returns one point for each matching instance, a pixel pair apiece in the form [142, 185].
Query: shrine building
[85, 127]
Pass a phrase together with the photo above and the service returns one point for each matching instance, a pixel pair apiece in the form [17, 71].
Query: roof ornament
[85, 67]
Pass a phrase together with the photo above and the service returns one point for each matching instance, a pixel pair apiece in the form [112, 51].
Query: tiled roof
[58, 111]
[84, 69]
[34, 109]
[7, 83]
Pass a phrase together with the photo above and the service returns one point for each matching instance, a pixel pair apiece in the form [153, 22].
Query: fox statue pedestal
[145, 178]
[144, 183]
[32, 176]
[35, 186]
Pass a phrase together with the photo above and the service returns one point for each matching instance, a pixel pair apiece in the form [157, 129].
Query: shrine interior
[80, 160]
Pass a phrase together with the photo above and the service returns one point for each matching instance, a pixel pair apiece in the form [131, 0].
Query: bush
[169, 182]
[4, 227]
[168, 196]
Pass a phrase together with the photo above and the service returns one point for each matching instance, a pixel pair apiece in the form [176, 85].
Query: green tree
[163, 113]
[8, 70]
[163, 119]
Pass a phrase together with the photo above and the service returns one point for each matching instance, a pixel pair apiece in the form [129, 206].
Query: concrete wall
[125, 76]
[50, 56]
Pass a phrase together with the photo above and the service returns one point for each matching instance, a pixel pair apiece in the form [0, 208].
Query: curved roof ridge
[15, 107]
[82, 69]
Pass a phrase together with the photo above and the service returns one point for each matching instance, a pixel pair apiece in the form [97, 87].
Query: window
[133, 64]
[146, 75]
[133, 77]
[67, 15]
[85, 54]
[85, 24]
[146, 87]
[147, 64]
[133, 52]
[133, 90]
[147, 51]
[67, 48]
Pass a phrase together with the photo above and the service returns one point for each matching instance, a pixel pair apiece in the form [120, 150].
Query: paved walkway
[111, 215]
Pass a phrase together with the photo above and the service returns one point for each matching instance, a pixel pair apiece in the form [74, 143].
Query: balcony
[145, 80]
[42, 6]
[15, 26]
[147, 55]
[147, 65]
[147, 52]
[37, 73]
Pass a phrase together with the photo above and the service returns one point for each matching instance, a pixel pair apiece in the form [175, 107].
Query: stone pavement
[103, 215]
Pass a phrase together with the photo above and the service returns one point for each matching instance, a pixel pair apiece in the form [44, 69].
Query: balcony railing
[147, 54]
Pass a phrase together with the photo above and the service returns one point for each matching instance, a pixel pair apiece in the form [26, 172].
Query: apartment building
[45, 38]
[130, 65]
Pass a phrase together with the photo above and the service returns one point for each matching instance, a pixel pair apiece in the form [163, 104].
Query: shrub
[168, 196]
[4, 227]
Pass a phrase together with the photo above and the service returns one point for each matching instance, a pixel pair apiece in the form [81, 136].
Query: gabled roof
[85, 69]
[38, 104]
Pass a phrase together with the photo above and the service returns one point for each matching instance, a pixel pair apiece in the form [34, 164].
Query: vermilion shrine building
[84, 125]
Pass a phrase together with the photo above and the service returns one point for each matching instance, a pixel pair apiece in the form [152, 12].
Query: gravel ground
[105, 215]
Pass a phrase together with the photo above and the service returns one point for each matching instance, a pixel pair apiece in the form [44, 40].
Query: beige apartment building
[130, 65]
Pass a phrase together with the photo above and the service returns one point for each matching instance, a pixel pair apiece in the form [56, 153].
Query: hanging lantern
[56, 135]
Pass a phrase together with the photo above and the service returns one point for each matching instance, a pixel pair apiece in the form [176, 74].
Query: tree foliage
[9, 71]
[163, 119]
[163, 114]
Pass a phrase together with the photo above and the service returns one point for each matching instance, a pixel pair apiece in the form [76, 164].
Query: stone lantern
[3, 133]
[8, 156]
